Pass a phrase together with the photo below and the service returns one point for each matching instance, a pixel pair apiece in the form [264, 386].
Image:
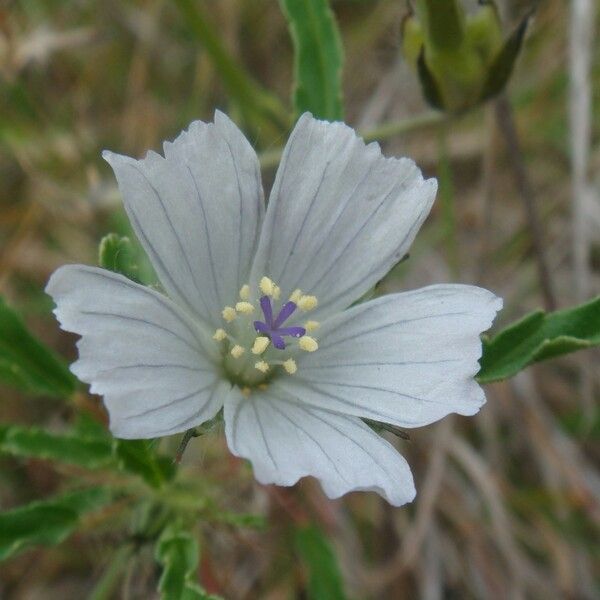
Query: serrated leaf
[318, 57]
[325, 580]
[178, 553]
[539, 336]
[26, 363]
[138, 456]
[46, 522]
[73, 449]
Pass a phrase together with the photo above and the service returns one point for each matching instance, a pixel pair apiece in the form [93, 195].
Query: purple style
[272, 327]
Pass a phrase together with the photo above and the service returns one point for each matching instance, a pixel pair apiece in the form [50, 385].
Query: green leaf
[318, 58]
[325, 580]
[26, 364]
[89, 452]
[139, 457]
[539, 336]
[46, 522]
[178, 553]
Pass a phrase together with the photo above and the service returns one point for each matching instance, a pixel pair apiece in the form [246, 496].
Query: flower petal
[139, 350]
[286, 440]
[197, 212]
[408, 359]
[340, 215]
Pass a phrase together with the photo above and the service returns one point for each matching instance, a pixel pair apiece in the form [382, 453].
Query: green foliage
[325, 580]
[118, 254]
[259, 106]
[139, 457]
[89, 452]
[540, 336]
[461, 60]
[178, 553]
[91, 447]
[47, 522]
[318, 58]
[25, 363]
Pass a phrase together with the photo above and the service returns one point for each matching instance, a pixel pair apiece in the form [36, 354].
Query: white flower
[257, 321]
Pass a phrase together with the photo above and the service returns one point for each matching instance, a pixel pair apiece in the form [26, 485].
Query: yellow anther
[307, 302]
[237, 351]
[266, 286]
[245, 292]
[244, 307]
[290, 366]
[312, 325]
[262, 366]
[219, 335]
[262, 386]
[229, 313]
[307, 343]
[260, 344]
[246, 391]
[276, 292]
[296, 295]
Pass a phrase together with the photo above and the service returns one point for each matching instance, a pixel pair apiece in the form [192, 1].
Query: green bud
[461, 61]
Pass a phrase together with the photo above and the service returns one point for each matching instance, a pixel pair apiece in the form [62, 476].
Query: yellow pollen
[245, 292]
[229, 313]
[266, 286]
[244, 307]
[237, 351]
[296, 295]
[276, 292]
[312, 325]
[307, 343]
[290, 366]
[219, 335]
[307, 302]
[262, 386]
[260, 344]
[246, 391]
[262, 366]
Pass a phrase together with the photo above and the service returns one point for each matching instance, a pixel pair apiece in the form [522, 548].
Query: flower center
[254, 350]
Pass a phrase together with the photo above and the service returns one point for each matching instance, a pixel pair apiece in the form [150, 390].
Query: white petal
[286, 440]
[139, 350]
[340, 215]
[408, 359]
[197, 212]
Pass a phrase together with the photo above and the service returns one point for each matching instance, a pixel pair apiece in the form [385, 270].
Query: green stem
[446, 196]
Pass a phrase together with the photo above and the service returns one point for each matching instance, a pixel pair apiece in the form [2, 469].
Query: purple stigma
[272, 326]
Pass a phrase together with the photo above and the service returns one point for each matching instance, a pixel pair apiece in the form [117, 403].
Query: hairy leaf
[318, 58]
[46, 522]
[325, 580]
[539, 336]
[25, 363]
[89, 452]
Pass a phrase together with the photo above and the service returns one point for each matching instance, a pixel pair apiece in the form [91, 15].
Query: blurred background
[508, 502]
